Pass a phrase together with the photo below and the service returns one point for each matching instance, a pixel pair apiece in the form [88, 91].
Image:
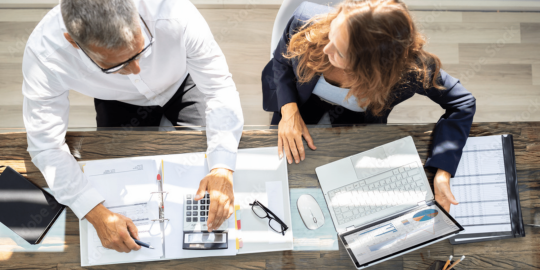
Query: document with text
[480, 187]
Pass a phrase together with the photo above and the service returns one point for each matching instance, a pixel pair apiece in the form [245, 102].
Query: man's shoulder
[47, 38]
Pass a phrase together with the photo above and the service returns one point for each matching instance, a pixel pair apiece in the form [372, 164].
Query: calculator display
[196, 238]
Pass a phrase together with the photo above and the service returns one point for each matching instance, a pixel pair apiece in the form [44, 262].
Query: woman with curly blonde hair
[354, 64]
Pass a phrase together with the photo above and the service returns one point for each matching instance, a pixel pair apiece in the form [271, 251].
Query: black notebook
[25, 208]
[486, 187]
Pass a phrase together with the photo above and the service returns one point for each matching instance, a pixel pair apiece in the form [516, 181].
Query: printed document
[480, 187]
[127, 185]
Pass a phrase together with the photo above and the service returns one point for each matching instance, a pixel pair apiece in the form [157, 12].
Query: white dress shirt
[183, 45]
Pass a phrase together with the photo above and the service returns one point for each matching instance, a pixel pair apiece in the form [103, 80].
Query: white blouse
[335, 95]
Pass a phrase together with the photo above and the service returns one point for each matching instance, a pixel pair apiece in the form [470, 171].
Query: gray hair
[110, 24]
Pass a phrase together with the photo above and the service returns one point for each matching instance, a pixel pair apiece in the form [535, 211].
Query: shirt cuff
[440, 164]
[86, 202]
[286, 99]
[222, 159]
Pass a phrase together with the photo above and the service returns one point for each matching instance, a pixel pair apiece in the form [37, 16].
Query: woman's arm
[450, 133]
[283, 71]
[291, 128]
[452, 129]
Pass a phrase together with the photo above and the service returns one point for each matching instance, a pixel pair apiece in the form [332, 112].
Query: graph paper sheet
[480, 187]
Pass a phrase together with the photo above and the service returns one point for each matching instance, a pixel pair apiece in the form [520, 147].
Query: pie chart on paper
[425, 215]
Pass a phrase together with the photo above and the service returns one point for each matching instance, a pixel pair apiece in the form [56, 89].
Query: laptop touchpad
[370, 163]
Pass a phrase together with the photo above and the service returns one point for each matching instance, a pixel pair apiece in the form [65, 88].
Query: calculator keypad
[196, 213]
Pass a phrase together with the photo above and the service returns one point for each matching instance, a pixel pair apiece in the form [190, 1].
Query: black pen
[142, 244]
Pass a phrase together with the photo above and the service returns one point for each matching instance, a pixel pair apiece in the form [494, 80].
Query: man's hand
[443, 194]
[219, 184]
[112, 229]
[291, 128]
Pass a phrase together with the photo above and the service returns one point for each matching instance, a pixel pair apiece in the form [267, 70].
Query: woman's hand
[443, 194]
[291, 128]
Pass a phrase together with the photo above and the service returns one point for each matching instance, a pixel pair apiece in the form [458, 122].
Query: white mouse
[310, 211]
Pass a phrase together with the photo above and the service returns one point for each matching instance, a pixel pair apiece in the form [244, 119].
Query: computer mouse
[310, 211]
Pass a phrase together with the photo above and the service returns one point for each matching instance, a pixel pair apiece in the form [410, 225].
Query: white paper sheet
[274, 194]
[256, 167]
[476, 238]
[149, 232]
[480, 187]
[123, 182]
[126, 186]
[182, 175]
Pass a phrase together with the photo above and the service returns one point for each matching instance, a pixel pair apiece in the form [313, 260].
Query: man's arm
[45, 115]
[224, 120]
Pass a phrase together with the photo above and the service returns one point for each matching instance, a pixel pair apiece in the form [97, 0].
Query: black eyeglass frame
[270, 216]
[125, 63]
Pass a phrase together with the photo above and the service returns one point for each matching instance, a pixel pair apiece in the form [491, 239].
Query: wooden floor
[495, 55]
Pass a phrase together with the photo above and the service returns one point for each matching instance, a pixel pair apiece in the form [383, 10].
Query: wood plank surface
[492, 32]
[333, 144]
[536, 74]
[527, 17]
[508, 42]
[499, 53]
[530, 33]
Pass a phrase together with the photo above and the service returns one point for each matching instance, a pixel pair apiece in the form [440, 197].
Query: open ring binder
[162, 218]
[147, 190]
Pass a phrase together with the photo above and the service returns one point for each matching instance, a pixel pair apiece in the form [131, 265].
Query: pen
[462, 258]
[448, 262]
[142, 244]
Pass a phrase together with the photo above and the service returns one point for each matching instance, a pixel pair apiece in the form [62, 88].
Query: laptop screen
[398, 234]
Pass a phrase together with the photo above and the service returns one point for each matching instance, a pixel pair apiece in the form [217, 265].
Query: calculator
[196, 235]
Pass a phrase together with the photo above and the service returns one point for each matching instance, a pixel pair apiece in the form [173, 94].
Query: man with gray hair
[144, 62]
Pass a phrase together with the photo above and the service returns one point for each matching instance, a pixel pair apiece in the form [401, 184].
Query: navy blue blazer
[280, 86]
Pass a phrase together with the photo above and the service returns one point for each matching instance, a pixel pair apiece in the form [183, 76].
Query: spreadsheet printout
[480, 187]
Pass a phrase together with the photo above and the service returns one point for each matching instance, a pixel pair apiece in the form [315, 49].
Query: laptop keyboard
[386, 190]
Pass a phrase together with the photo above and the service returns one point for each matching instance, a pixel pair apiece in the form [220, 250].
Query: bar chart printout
[480, 187]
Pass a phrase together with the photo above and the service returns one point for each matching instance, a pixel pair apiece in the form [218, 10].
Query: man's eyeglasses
[123, 64]
[262, 212]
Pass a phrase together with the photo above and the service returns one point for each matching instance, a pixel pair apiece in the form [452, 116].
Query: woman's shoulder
[307, 10]
[415, 79]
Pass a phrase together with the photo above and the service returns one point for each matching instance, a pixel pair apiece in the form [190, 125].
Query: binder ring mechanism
[161, 214]
[162, 193]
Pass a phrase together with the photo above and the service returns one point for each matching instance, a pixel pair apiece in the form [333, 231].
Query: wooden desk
[333, 144]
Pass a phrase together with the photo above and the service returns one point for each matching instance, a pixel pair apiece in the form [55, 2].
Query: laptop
[381, 203]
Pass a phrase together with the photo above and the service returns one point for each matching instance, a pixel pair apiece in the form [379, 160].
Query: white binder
[255, 167]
